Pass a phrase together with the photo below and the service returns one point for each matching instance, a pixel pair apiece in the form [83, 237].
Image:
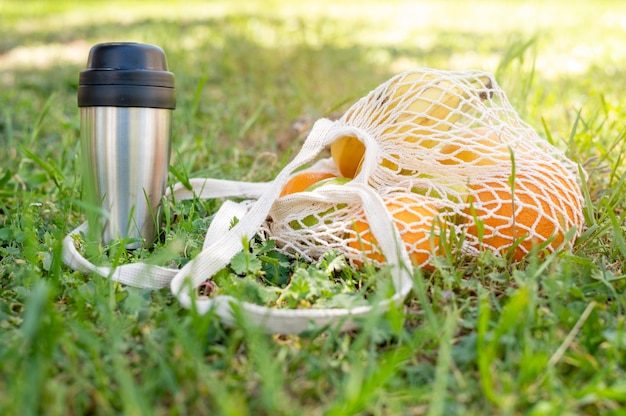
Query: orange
[418, 224]
[347, 152]
[481, 147]
[303, 180]
[312, 220]
[546, 202]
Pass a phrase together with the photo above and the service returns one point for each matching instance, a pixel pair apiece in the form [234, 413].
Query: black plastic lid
[126, 74]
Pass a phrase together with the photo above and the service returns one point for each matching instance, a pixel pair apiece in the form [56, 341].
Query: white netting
[442, 149]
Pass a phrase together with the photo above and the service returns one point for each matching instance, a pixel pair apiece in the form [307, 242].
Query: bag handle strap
[150, 276]
[222, 242]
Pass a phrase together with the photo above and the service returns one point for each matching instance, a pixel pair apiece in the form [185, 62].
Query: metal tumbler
[126, 97]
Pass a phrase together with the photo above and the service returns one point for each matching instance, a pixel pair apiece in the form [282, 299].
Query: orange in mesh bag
[418, 221]
[539, 207]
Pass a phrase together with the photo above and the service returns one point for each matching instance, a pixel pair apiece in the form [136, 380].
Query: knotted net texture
[447, 154]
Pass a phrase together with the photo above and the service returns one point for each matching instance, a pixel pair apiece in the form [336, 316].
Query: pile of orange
[541, 206]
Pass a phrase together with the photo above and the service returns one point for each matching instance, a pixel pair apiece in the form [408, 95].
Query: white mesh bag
[427, 154]
[447, 153]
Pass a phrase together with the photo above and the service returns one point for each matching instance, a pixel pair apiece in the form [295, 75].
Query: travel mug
[126, 97]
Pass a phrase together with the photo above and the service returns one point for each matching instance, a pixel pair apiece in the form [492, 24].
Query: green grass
[477, 336]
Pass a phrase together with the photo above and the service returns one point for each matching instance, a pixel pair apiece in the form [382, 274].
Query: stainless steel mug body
[126, 152]
[126, 97]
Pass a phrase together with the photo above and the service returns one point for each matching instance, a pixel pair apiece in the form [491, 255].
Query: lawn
[476, 336]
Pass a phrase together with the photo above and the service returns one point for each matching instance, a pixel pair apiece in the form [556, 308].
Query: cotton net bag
[447, 154]
[424, 156]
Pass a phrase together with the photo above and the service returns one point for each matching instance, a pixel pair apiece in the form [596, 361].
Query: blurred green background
[281, 60]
